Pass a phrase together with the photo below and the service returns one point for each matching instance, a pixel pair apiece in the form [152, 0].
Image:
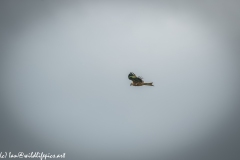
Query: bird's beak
[130, 84]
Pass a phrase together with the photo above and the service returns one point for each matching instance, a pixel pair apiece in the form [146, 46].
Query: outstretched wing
[134, 78]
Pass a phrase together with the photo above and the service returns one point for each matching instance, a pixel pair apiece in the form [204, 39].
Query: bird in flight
[137, 81]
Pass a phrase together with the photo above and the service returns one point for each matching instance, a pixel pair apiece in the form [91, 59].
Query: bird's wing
[134, 78]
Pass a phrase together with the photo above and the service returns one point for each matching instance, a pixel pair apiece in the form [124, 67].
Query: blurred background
[64, 85]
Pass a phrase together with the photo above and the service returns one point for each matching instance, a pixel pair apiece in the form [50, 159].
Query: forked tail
[148, 84]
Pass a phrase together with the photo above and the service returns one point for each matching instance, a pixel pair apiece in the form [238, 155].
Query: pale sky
[64, 68]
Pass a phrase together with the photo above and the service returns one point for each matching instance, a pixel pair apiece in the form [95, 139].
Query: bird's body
[137, 81]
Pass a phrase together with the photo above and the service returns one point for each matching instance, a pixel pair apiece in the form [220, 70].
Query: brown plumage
[137, 81]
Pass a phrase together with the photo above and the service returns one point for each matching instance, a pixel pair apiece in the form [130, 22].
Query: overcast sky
[64, 85]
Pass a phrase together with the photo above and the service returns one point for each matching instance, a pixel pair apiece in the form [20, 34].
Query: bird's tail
[148, 84]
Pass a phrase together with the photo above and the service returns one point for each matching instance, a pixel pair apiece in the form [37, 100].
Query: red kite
[137, 81]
